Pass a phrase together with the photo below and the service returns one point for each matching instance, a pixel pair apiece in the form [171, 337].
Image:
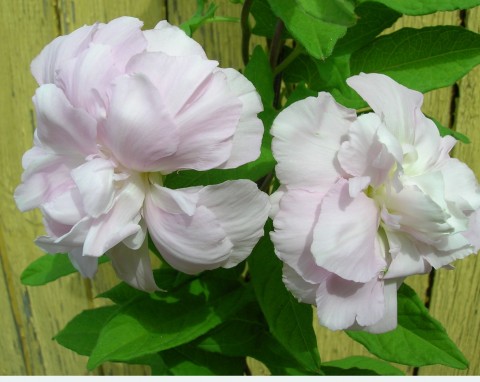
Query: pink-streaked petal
[71, 239]
[172, 40]
[242, 210]
[389, 320]
[124, 36]
[419, 215]
[364, 154]
[44, 67]
[343, 303]
[94, 180]
[86, 79]
[121, 221]
[407, 259]
[174, 202]
[189, 243]
[307, 136]
[66, 209]
[86, 265]
[139, 129]
[206, 126]
[61, 127]
[297, 214]
[394, 103]
[301, 289]
[133, 266]
[248, 135]
[187, 75]
[345, 239]
[460, 185]
[46, 177]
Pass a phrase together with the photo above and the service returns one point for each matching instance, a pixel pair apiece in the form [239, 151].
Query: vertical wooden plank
[456, 294]
[38, 313]
[221, 41]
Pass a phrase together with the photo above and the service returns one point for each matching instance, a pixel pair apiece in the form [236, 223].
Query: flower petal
[390, 318]
[393, 103]
[44, 67]
[174, 202]
[343, 303]
[242, 210]
[301, 289]
[206, 126]
[189, 243]
[86, 265]
[294, 222]
[368, 151]
[345, 239]
[172, 40]
[248, 135]
[307, 136]
[139, 129]
[133, 266]
[121, 221]
[94, 180]
[61, 127]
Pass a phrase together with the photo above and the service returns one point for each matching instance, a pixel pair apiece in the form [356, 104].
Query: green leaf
[48, 268]
[359, 365]
[189, 360]
[246, 334]
[259, 72]
[200, 17]
[418, 340]
[446, 131]
[81, 333]
[424, 7]
[373, 18]
[317, 25]
[421, 59]
[153, 323]
[265, 20]
[289, 321]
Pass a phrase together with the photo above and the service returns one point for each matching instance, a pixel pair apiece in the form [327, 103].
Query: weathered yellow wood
[456, 294]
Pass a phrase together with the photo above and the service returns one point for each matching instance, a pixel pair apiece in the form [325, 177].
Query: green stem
[246, 32]
[297, 51]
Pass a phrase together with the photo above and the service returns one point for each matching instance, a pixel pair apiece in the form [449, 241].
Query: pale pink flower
[366, 201]
[119, 108]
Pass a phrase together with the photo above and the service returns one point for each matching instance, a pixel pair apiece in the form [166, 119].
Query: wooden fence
[30, 317]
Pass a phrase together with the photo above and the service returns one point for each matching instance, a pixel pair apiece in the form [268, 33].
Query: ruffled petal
[86, 79]
[124, 37]
[389, 320]
[370, 151]
[294, 222]
[249, 132]
[62, 128]
[301, 289]
[44, 67]
[242, 210]
[94, 180]
[189, 243]
[187, 76]
[133, 266]
[139, 129]
[46, 177]
[86, 265]
[344, 303]
[172, 40]
[394, 103]
[345, 239]
[307, 136]
[175, 202]
[206, 126]
[121, 221]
